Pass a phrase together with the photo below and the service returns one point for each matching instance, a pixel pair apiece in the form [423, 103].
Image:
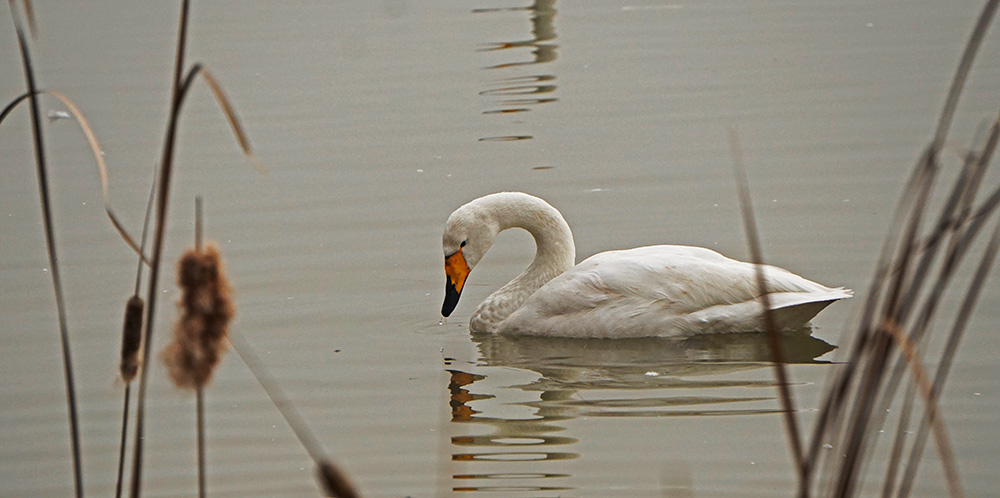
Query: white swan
[653, 291]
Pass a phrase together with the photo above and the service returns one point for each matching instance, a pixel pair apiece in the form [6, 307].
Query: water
[375, 120]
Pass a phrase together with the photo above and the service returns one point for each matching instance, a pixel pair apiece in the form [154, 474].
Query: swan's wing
[661, 290]
[692, 277]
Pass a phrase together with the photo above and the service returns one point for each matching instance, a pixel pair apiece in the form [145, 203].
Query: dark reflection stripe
[667, 401]
[509, 138]
[678, 413]
[519, 90]
[511, 441]
[512, 488]
[506, 111]
[527, 456]
[510, 475]
[542, 47]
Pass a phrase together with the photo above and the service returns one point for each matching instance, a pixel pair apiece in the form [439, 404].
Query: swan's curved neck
[554, 253]
[553, 238]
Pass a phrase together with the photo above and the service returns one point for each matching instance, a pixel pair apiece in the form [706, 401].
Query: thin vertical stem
[154, 271]
[121, 450]
[200, 392]
[197, 223]
[200, 408]
[750, 226]
[43, 190]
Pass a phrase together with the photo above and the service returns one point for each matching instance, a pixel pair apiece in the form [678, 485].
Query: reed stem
[154, 271]
[200, 409]
[200, 391]
[781, 376]
[43, 194]
[124, 440]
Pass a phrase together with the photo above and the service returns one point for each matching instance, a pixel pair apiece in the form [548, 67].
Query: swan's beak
[457, 270]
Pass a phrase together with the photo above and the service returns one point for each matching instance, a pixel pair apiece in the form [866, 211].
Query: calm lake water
[374, 121]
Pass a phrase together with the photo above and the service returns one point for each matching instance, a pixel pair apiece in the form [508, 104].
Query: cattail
[334, 482]
[131, 338]
[206, 308]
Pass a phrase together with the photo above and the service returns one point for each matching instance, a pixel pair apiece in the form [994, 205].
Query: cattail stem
[197, 223]
[132, 341]
[161, 218]
[121, 450]
[200, 392]
[145, 231]
[200, 408]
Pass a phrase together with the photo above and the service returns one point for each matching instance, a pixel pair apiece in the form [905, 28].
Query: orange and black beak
[457, 270]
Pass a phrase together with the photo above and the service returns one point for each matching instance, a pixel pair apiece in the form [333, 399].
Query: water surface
[375, 120]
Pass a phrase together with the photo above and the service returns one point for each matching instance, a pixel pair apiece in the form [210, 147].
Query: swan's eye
[462, 244]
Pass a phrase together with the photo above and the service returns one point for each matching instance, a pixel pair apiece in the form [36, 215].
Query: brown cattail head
[334, 482]
[131, 338]
[206, 308]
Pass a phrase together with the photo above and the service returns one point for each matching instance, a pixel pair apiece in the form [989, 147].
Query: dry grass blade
[102, 169]
[11, 105]
[895, 290]
[829, 421]
[95, 149]
[920, 378]
[953, 225]
[227, 109]
[951, 347]
[964, 66]
[334, 481]
[949, 226]
[956, 206]
[863, 416]
[750, 227]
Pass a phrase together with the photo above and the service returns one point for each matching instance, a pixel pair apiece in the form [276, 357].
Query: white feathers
[653, 291]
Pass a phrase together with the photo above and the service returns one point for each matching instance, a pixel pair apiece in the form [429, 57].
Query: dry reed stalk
[947, 356]
[29, 15]
[920, 379]
[335, 483]
[95, 149]
[905, 294]
[131, 342]
[952, 228]
[129, 363]
[179, 87]
[43, 194]
[163, 187]
[753, 242]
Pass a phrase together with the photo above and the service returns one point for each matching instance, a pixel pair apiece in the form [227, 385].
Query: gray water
[374, 121]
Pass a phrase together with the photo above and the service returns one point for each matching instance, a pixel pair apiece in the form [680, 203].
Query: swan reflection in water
[516, 410]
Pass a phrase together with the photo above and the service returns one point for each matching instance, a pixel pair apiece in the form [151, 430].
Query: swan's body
[653, 291]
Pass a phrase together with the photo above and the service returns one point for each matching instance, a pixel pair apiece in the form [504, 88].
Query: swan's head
[469, 233]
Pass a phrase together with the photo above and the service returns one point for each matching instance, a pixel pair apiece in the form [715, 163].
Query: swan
[652, 291]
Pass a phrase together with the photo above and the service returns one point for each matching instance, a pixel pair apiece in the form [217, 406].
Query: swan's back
[665, 291]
